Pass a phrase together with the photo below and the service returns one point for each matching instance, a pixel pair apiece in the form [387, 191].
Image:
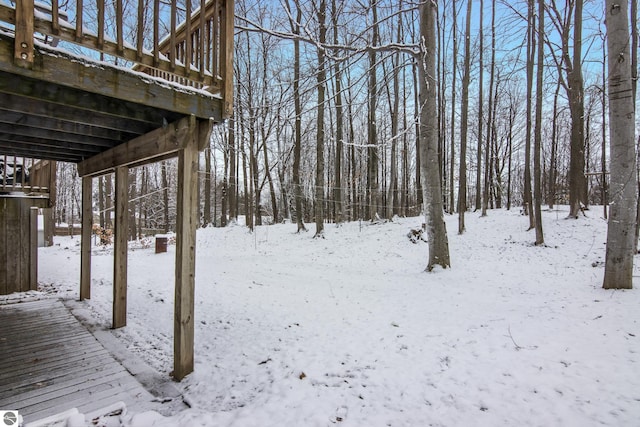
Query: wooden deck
[50, 363]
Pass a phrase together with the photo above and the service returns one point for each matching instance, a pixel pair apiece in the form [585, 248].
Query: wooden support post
[23, 53]
[33, 247]
[186, 222]
[85, 241]
[120, 248]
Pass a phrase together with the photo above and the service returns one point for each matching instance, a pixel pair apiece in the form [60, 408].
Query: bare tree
[537, 146]
[622, 220]
[480, 112]
[464, 121]
[322, 75]
[434, 212]
[297, 143]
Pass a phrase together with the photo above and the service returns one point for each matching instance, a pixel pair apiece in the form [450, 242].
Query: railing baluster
[187, 39]
[140, 28]
[215, 39]
[79, 30]
[156, 31]
[119, 27]
[55, 24]
[172, 40]
[100, 24]
[201, 33]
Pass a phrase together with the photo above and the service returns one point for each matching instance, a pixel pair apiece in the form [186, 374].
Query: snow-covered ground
[349, 330]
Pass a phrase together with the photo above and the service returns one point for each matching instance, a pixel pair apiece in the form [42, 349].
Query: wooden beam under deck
[160, 142]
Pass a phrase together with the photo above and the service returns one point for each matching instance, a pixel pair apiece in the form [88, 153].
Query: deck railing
[187, 41]
[26, 175]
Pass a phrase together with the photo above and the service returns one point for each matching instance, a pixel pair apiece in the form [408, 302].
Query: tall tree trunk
[531, 48]
[553, 162]
[464, 121]
[452, 141]
[206, 217]
[101, 197]
[165, 194]
[621, 244]
[373, 190]
[434, 212]
[537, 178]
[577, 181]
[490, 127]
[478, 203]
[233, 171]
[108, 201]
[337, 188]
[603, 164]
[322, 75]
[297, 143]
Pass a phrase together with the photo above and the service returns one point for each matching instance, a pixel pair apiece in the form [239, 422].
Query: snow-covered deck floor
[50, 363]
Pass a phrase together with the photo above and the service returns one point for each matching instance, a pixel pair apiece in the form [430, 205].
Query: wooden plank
[43, 377]
[24, 28]
[186, 223]
[66, 389]
[24, 363]
[4, 244]
[120, 248]
[125, 391]
[145, 148]
[85, 241]
[33, 250]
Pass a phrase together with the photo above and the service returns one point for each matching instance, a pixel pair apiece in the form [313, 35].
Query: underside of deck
[50, 363]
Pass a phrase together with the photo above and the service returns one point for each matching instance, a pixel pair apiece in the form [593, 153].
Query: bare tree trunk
[554, 150]
[487, 151]
[478, 203]
[108, 201]
[603, 165]
[101, 197]
[233, 162]
[577, 180]
[621, 243]
[464, 121]
[297, 143]
[206, 217]
[434, 212]
[165, 194]
[537, 178]
[373, 190]
[454, 72]
[337, 189]
[322, 75]
[531, 47]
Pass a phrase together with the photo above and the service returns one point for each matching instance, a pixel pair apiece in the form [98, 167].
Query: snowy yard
[350, 331]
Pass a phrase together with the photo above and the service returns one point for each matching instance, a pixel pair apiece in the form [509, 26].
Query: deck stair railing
[171, 39]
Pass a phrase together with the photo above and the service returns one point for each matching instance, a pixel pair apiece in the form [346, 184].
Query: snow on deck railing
[188, 42]
[27, 175]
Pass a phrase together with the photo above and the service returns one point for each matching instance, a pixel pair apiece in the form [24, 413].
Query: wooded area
[327, 104]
